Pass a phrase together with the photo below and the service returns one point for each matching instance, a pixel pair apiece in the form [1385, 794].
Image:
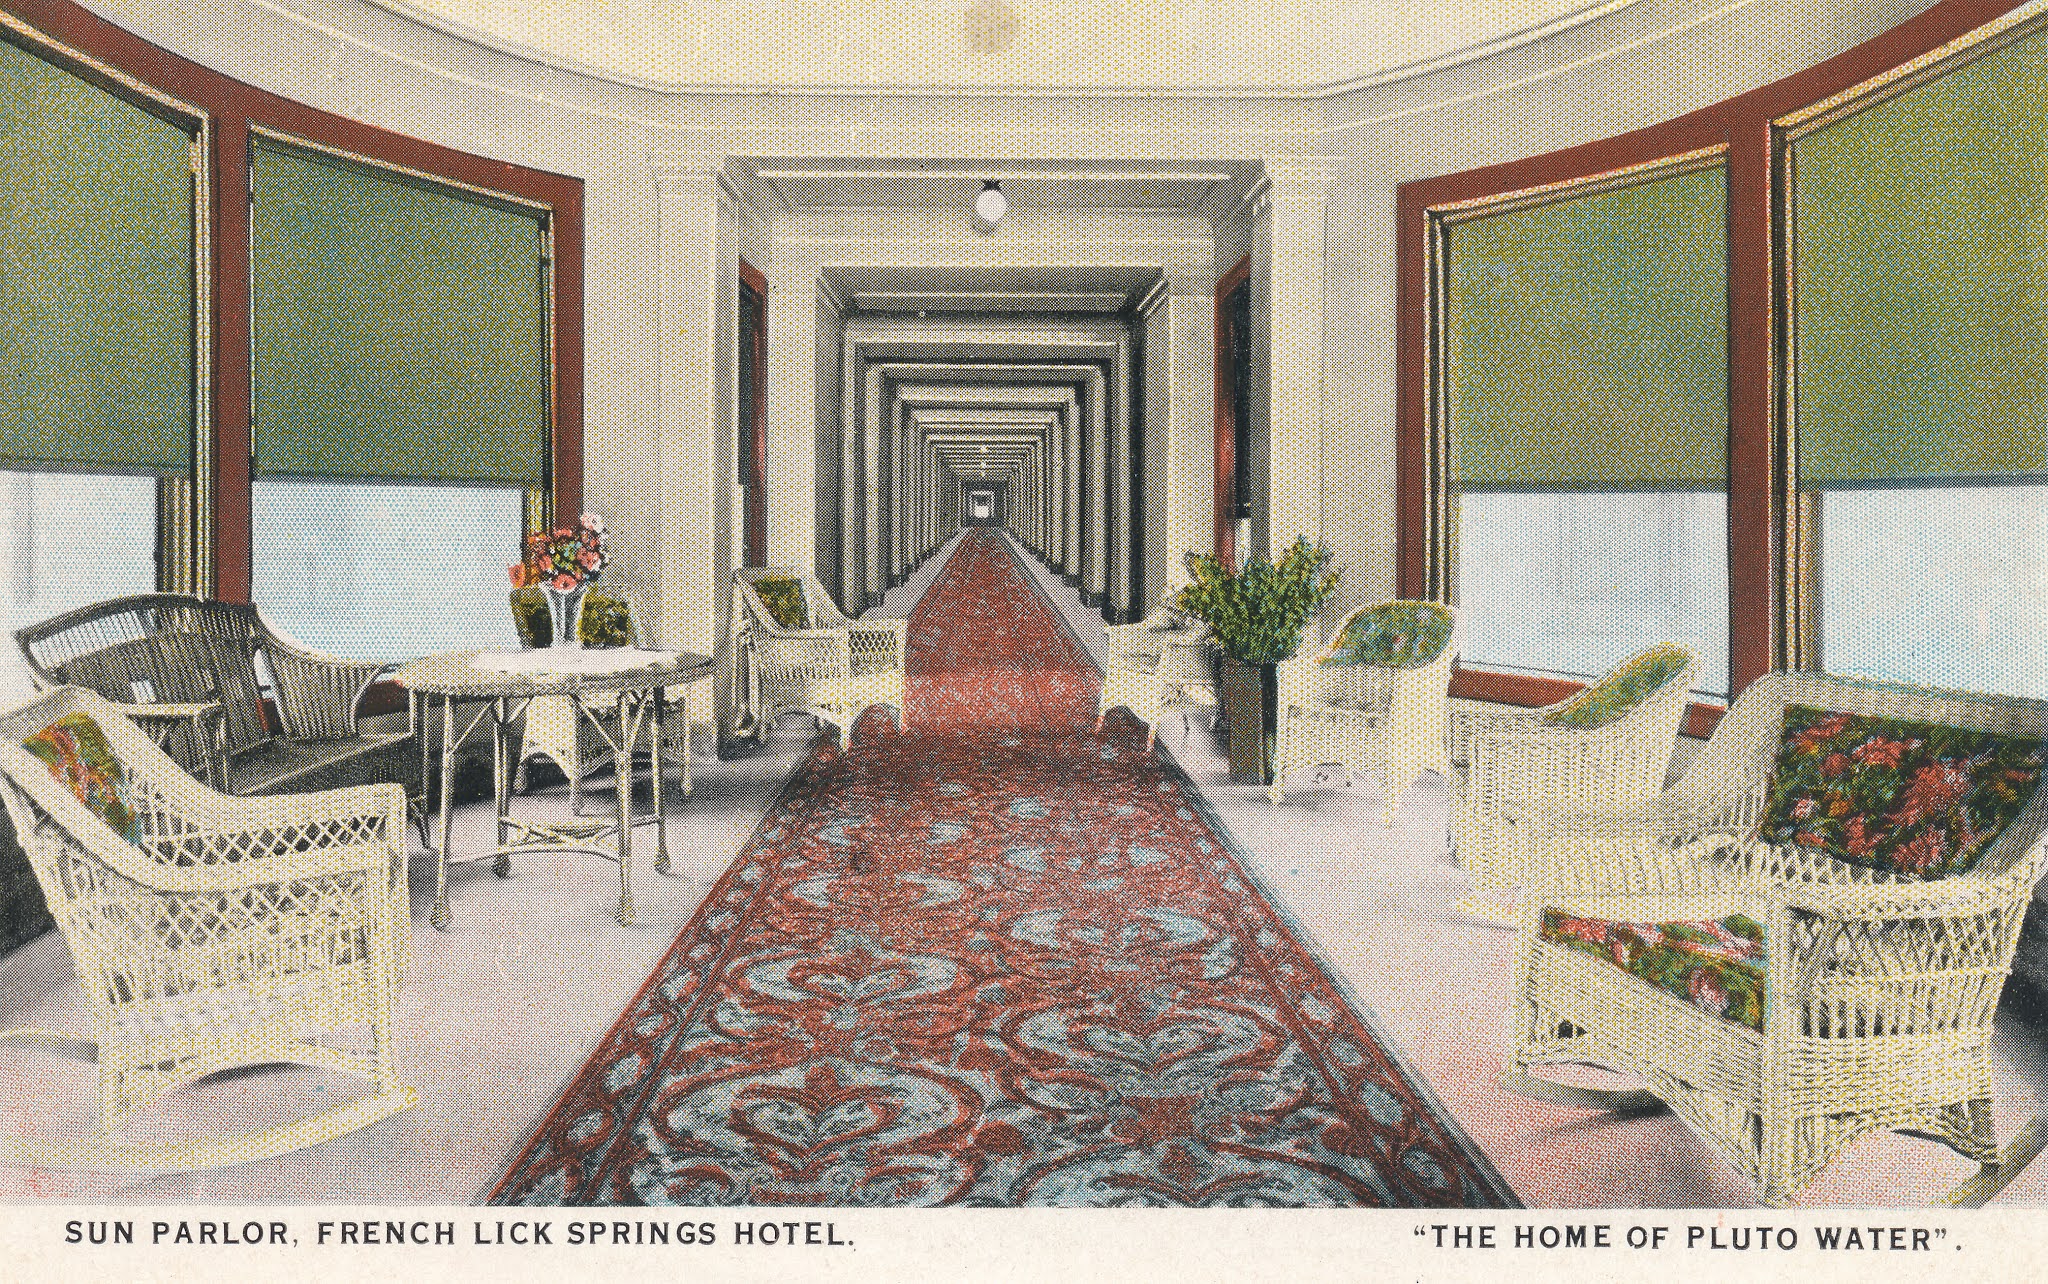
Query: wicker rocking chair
[1374, 700]
[796, 653]
[1803, 940]
[1606, 749]
[209, 932]
[1160, 663]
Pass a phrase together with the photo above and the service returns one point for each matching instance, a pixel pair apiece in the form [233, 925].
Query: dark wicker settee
[237, 703]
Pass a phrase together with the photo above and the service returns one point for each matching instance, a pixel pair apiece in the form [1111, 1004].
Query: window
[98, 401]
[401, 407]
[1881, 380]
[1921, 360]
[1585, 386]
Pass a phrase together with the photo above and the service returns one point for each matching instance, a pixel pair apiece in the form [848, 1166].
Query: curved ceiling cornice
[1134, 48]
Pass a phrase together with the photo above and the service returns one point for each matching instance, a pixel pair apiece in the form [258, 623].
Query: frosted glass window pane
[375, 571]
[72, 539]
[1945, 585]
[1568, 584]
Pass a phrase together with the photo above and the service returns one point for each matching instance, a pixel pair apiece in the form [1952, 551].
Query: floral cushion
[784, 600]
[78, 755]
[1912, 798]
[1392, 635]
[1714, 964]
[1621, 690]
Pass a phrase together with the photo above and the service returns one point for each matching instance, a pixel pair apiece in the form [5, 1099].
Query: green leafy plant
[1257, 614]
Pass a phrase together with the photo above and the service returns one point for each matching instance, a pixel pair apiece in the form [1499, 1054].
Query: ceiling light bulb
[990, 204]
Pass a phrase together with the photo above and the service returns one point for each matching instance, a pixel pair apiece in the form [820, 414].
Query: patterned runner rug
[993, 961]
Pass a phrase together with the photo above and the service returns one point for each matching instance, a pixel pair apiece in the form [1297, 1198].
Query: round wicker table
[623, 681]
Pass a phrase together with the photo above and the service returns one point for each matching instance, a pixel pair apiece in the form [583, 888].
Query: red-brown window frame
[1759, 494]
[753, 421]
[233, 111]
[1225, 384]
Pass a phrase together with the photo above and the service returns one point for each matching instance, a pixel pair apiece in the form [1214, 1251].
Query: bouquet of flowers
[563, 559]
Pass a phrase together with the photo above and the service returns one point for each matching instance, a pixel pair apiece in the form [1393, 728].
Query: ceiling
[1077, 290]
[1258, 47]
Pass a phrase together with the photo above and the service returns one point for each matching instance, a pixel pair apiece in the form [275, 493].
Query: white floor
[502, 1008]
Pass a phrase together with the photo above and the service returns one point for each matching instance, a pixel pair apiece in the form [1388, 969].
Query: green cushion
[784, 599]
[1715, 964]
[1621, 690]
[78, 755]
[530, 617]
[1392, 635]
[1912, 798]
[604, 621]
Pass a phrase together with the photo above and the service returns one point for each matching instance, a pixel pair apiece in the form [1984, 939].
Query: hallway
[489, 1032]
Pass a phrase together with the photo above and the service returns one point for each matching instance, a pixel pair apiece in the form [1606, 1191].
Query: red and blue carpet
[993, 961]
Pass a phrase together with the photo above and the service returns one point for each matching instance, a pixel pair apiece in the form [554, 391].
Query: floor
[499, 1010]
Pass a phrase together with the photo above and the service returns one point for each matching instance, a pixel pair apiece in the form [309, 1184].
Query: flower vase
[565, 607]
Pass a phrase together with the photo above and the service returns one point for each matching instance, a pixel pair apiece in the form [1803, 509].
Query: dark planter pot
[1251, 714]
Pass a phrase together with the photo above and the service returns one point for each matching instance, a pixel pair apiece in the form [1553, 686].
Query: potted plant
[1256, 616]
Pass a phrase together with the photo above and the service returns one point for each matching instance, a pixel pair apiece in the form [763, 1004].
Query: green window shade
[1587, 340]
[1921, 241]
[97, 359]
[400, 330]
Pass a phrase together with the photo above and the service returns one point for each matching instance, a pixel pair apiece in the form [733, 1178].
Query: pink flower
[1860, 843]
[1803, 808]
[1879, 752]
[1935, 788]
[588, 560]
[563, 582]
[593, 523]
[1820, 732]
[1921, 854]
[1706, 992]
[1834, 764]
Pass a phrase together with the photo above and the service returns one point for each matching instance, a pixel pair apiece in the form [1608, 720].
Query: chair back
[778, 599]
[1392, 635]
[116, 802]
[1657, 676]
[169, 648]
[1732, 777]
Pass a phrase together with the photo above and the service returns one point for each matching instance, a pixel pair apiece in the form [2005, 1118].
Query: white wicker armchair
[1785, 999]
[795, 653]
[1160, 663]
[1606, 749]
[1373, 700]
[209, 932]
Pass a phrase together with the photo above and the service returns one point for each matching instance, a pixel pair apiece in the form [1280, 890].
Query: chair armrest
[206, 718]
[226, 842]
[317, 694]
[1624, 853]
[1939, 898]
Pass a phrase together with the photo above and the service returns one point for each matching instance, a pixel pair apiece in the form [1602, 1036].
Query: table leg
[500, 718]
[654, 748]
[622, 778]
[441, 917]
[683, 714]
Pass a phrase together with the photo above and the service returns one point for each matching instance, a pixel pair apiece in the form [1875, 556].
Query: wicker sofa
[235, 702]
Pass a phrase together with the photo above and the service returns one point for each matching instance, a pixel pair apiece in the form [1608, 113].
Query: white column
[692, 404]
[1295, 217]
[1190, 428]
[792, 376]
